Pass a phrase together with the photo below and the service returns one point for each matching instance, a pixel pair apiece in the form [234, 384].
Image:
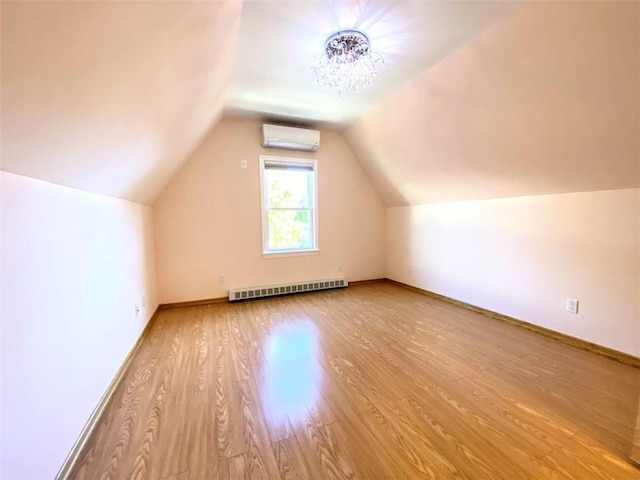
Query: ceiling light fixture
[348, 64]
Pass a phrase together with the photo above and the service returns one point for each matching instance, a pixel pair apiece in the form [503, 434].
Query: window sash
[291, 164]
[269, 209]
[275, 165]
[309, 192]
[311, 230]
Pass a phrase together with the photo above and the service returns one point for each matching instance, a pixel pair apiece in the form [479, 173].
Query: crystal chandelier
[348, 64]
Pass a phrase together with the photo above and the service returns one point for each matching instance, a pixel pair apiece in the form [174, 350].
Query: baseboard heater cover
[286, 288]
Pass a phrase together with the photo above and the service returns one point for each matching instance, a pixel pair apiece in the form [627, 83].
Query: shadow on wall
[365, 148]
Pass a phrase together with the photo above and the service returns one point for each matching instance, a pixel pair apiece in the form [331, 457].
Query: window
[289, 205]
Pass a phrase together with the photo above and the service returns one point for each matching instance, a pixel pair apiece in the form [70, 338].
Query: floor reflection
[292, 372]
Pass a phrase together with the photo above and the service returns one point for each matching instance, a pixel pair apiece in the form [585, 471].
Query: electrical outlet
[137, 308]
[220, 278]
[572, 305]
[243, 164]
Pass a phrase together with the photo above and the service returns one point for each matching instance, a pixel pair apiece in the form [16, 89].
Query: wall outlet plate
[572, 305]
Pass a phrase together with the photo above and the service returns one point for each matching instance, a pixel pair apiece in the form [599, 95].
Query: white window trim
[265, 235]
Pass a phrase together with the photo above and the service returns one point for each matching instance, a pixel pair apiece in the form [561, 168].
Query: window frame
[313, 163]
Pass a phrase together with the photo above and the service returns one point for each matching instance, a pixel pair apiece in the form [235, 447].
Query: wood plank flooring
[369, 382]
[635, 448]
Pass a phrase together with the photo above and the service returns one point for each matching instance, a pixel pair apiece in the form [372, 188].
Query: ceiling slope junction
[545, 101]
[112, 97]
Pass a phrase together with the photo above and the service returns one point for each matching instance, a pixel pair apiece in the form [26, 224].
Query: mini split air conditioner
[277, 136]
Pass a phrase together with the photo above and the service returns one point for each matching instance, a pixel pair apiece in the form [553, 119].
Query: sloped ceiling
[477, 99]
[111, 97]
[280, 40]
[547, 100]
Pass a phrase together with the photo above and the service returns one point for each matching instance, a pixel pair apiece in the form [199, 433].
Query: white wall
[73, 265]
[208, 220]
[525, 256]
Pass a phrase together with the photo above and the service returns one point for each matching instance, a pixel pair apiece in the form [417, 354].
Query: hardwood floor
[370, 382]
[635, 448]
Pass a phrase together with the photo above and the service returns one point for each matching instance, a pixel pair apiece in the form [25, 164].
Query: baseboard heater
[285, 289]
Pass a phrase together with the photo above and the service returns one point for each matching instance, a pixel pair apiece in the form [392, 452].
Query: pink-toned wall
[73, 266]
[524, 257]
[208, 220]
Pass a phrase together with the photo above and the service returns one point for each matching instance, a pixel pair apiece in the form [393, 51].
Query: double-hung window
[289, 205]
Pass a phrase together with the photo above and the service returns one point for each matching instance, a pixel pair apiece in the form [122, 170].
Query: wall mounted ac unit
[277, 136]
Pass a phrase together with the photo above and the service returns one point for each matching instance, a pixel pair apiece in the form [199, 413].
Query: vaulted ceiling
[279, 41]
[545, 101]
[477, 99]
[112, 97]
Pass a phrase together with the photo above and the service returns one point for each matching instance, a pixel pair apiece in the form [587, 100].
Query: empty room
[304, 239]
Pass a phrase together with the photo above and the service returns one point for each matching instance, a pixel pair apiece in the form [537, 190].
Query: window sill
[291, 253]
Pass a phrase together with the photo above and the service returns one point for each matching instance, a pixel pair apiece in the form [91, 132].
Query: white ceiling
[112, 97]
[545, 101]
[279, 40]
